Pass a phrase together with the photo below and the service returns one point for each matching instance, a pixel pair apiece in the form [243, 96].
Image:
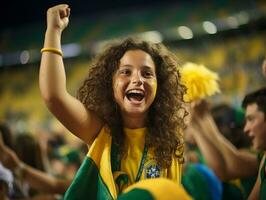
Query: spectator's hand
[199, 112]
[58, 17]
[200, 108]
[8, 157]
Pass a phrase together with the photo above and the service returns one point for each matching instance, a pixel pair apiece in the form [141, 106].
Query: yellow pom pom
[199, 80]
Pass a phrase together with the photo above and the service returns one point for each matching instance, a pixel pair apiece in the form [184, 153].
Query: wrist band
[52, 50]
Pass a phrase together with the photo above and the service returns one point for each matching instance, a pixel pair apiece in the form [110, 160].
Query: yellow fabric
[237, 183]
[135, 140]
[162, 189]
[100, 152]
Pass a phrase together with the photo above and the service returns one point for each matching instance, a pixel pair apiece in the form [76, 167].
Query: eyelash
[124, 71]
[144, 73]
[148, 73]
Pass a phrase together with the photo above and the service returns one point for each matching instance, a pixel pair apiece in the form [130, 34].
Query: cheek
[118, 89]
[114, 86]
[262, 128]
[115, 89]
[154, 89]
[258, 128]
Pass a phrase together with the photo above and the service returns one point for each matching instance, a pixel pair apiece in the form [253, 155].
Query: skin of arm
[36, 178]
[227, 163]
[210, 152]
[44, 182]
[52, 82]
[254, 195]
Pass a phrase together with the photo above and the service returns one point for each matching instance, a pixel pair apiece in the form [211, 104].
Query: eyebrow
[127, 65]
[249, 116]
[144, 66]
[148, 67]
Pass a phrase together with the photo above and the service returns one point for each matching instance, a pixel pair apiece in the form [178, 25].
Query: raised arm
[35, 178]
[52, 80]
[230, 163]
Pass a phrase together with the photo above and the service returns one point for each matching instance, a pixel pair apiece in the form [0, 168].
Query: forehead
[137, 58]
[253, 109]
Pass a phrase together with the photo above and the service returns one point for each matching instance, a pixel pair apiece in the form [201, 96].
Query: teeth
[135, 91]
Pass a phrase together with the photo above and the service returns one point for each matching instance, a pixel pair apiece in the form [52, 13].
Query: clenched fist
[58, 17]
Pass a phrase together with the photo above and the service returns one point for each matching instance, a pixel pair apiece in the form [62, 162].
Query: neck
[134, 122]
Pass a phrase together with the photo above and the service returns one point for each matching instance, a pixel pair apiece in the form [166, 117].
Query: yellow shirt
[130, 164]
[135, 141]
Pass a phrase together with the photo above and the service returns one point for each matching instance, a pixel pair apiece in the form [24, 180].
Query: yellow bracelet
[52, 50]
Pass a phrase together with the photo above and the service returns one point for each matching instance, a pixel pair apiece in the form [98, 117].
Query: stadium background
[226, 36]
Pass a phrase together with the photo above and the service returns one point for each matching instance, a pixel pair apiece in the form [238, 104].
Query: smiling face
[255, 126]
[135, 85]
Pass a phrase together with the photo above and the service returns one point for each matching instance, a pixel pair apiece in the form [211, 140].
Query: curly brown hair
[166, 114]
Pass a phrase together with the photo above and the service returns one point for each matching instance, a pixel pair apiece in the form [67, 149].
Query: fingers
[64, 12]
[62, 9]
[58, 17]
[201, 106]
[8, 157]
[68, 12]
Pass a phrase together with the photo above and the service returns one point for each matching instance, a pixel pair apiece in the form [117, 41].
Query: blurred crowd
[37, 165]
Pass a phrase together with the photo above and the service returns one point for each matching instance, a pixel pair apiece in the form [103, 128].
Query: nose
[137, 79]
[246, 128]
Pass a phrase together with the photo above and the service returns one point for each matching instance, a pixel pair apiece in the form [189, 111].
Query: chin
[135, 111]
[259, 147]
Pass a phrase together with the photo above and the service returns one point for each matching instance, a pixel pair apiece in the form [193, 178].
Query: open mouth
[251, 139]
[135, 95]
